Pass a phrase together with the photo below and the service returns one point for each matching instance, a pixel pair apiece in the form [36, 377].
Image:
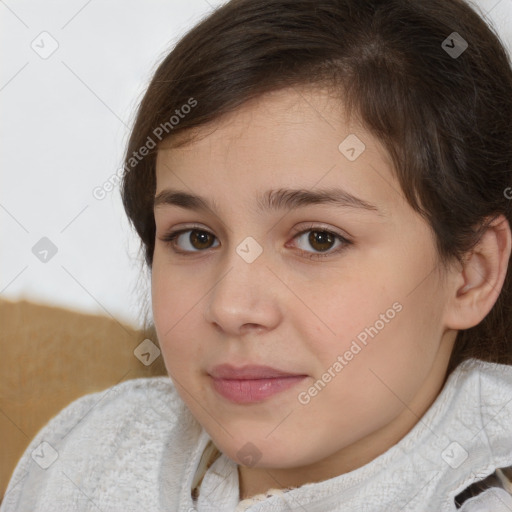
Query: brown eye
[197, 240]
[321, 240]
[203, 239]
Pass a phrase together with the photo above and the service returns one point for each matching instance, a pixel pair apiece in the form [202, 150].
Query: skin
[297, 314]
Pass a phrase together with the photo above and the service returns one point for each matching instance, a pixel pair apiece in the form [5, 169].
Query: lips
[227, 371]
[251, 384]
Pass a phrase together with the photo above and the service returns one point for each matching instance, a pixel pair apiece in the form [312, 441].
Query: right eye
[199, 239]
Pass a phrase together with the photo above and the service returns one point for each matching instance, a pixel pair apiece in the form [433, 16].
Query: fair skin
[284, 310]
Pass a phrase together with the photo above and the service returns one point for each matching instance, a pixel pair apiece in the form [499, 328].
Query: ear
[478, 284]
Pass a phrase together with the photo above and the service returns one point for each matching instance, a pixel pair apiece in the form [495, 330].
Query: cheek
[368, 382]
[383, 325]
[352, 310]
[176, 306]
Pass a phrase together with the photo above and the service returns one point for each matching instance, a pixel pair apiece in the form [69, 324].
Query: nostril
[251, 327]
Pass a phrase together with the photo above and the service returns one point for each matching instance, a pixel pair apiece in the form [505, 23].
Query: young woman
[322, 191]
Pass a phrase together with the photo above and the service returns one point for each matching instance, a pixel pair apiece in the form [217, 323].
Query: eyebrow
[271, 200]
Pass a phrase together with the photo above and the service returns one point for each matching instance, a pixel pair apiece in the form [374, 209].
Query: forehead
[298, 137]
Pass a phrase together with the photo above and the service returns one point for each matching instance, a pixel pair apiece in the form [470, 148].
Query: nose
[245, 296]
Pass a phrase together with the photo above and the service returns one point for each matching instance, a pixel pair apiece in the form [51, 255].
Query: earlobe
[483, 274]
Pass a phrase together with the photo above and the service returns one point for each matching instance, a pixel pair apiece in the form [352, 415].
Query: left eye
[322, 241]
[199, 240]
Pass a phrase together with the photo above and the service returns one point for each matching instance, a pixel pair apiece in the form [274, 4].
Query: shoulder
[489, 372]
[95, 434]
[123, 402]
[110, 411]
[489, 383]
[487, 406]
[482, 391]
[494, 499]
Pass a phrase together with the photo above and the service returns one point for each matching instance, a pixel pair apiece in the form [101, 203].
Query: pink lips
[249, 384]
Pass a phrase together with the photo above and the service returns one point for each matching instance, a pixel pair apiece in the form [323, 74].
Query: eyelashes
[319, 235]
[204, 238]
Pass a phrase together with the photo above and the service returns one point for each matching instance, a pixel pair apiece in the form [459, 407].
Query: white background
[65, 123]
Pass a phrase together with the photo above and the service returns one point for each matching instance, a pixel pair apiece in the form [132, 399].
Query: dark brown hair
[445, 119]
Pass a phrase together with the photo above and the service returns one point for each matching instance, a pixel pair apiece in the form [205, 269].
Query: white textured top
[135, 446]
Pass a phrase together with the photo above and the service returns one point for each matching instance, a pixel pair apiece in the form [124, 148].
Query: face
[341, 299]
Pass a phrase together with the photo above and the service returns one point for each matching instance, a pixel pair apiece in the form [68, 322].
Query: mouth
[251, 384]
